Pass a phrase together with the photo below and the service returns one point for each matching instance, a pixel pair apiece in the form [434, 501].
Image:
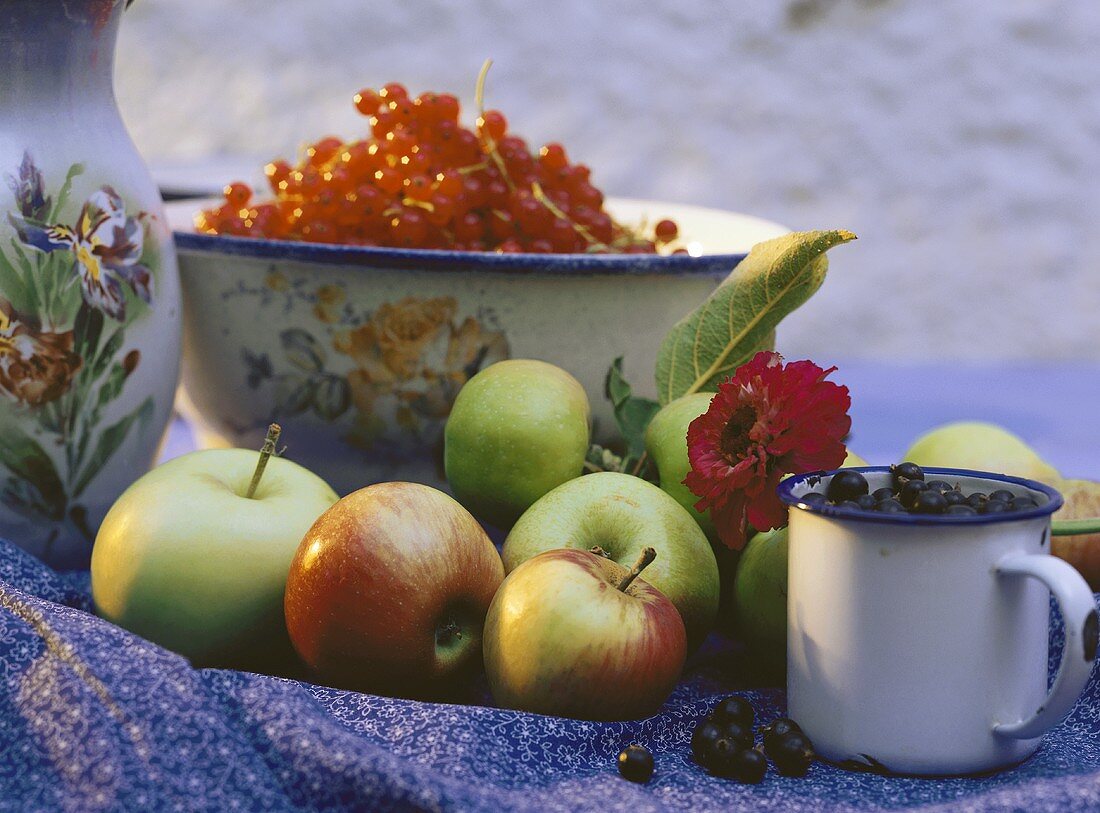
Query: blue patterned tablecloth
[93, 718]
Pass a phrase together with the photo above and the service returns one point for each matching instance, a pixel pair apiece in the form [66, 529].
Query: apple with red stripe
[574, 634]
[388, 591]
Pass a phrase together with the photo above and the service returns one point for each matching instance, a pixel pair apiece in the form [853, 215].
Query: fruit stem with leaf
[644, 561]
[1073, 527]
[266, 451]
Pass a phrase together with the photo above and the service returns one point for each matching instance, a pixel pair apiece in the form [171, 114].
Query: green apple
[980, 446]
[760, 592]
[623, 515]
[518, 429]
[666, 445]
[188, 560]
[760, 588]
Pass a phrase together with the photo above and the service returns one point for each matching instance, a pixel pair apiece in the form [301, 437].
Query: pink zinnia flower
[768, 420]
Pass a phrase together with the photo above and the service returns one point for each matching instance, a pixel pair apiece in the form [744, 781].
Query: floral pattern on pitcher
[396, 370]
[68, 291]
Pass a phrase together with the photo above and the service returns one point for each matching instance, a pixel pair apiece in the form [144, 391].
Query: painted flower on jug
[64, 359]
[106, 245]
[30, 191]
[36, 366]
[330, 304]
[408, 359]
[400, 339]
[309, 386]
[411, 360]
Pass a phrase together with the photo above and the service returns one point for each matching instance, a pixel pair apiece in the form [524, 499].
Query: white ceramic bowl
[359, 352]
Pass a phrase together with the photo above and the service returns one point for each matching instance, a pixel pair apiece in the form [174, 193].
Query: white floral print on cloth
[102, 720]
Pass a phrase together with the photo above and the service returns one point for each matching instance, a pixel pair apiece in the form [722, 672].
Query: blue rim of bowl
[441, 260]
[1053, 503]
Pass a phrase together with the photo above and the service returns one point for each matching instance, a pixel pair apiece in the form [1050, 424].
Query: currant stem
[644, 561]
[266, 451]
[483, 134]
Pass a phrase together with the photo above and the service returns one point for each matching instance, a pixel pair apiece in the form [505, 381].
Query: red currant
[320, 153]
[492, 124]
[421, 180]
[666, 231]
[237, 194]
[367, 101]
[552, 157]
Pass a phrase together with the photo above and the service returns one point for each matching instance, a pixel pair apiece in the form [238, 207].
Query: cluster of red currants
[422, 180]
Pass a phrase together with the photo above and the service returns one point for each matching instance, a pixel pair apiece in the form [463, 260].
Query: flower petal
[768, 419]
[104, 293]
[139, 278]
[44, 238]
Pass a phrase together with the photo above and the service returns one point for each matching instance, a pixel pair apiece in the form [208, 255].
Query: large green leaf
[740, 316]
[109, 441]
[632, 414]
[25, 458]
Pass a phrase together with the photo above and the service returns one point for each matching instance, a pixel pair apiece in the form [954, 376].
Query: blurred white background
[960, 140]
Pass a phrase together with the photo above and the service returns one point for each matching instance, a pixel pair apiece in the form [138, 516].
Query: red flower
[768, 420]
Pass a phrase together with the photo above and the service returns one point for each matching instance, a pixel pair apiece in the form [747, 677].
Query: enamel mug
[917, 644]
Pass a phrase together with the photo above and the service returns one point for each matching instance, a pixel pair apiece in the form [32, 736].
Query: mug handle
[1078, 607]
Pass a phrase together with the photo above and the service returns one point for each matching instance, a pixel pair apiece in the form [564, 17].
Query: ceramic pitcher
[89, 290]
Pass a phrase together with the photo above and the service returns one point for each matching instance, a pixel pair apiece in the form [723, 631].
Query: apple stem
[266, 451]
[647, 557]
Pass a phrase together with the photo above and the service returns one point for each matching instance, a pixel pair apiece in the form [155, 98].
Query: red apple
[388, 592]
[574, 634]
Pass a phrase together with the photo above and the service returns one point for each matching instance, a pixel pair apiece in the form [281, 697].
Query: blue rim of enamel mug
[442, 260]
[1054, 499]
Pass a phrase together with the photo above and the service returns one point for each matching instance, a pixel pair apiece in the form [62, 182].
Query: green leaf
[87, 329]
[111, 387]
[23, 498]
[632, 414]
[293, 393]
[14, 288]
[106, 353]
[331, 397]
[739, 317]
[302, 350]
[24, 270]
[601, 459]
[66, 189]
[26, 459]
[109, 441]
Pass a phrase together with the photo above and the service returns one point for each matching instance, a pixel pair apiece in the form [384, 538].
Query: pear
[1083, 550]
[980, 446]
[853, 459]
